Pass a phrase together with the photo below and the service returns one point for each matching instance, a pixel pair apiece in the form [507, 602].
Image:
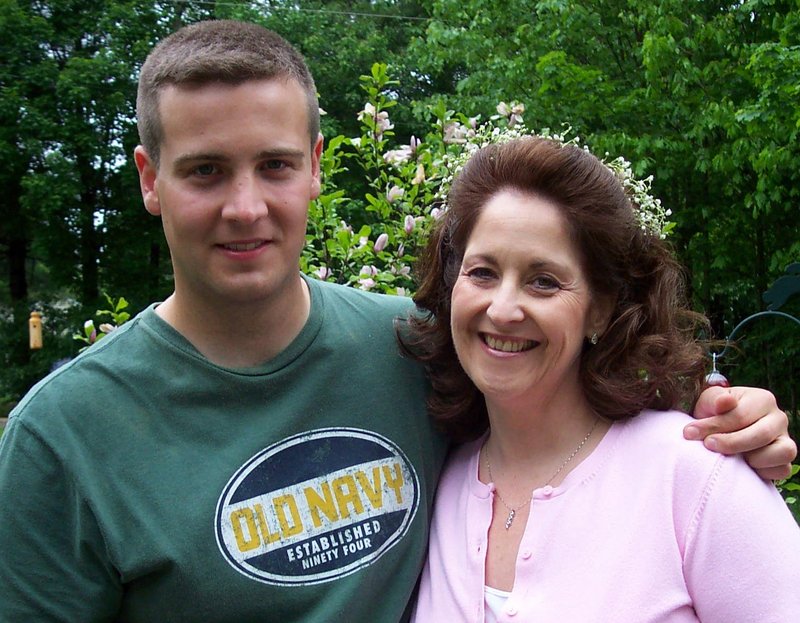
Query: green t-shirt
[140, 482]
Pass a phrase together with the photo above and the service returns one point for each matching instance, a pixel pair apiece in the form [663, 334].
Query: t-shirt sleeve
[742, 550]
[53, 562]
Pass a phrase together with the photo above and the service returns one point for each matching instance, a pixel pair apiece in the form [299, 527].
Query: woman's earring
[594, 338]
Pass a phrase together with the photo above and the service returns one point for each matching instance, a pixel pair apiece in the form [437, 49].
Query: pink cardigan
[649, 528]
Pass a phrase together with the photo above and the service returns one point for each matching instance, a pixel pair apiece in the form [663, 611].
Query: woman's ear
[599, 317]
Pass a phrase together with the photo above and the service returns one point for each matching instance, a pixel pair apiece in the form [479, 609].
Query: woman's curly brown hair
[647, 357]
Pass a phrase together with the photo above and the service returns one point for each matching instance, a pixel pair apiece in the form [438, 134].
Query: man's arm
[53, 566]
[745, 420]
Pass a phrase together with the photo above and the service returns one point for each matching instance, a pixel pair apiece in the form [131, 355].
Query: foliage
[790, 489]
[701, 95]
[406, 188]
[116, 313]
[71, 221]
[390, 220]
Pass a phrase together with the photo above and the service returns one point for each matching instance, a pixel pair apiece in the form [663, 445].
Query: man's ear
[316, 155]
[148, 173]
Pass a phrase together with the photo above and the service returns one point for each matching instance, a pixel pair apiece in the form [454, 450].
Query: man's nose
[246, 202]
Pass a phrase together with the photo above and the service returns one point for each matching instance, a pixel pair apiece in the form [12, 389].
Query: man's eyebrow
[281, 153]
[265, 154]
[191, 158]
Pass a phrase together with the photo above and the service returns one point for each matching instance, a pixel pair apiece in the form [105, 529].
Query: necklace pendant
[510, 518]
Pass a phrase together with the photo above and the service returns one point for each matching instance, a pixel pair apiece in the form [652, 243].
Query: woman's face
[521, 305]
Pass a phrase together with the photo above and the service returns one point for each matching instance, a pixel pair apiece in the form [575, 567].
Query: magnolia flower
[322, 112]
[356, 142]
[381, 242]
[107, 327]
[420, 175]
[366, 274]
[401, 250]
[382, 123]
[346, 227]
[362, 242]
[323, 273]
[512, 112]
[409, 223]
[395, 193]
[368, 111]
[402, 292]
[381, 119]
[90, 331]
[437, 213]
[398, 157]
[455, 133]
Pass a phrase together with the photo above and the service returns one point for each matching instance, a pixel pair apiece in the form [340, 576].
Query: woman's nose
[505, 305]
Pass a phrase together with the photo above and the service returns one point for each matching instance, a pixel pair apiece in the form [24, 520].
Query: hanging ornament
[715, 378]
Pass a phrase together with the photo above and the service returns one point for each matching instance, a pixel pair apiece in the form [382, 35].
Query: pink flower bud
[395, 193]
[381, 242]
[409, 223]
[420, 175]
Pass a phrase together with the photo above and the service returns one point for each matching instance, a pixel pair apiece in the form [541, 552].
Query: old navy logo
[316, 507]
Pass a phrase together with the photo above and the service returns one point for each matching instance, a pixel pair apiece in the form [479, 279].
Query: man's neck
[236, 335]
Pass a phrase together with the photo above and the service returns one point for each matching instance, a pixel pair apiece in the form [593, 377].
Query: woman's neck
[532, 436]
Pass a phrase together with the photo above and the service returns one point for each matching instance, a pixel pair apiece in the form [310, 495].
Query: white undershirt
[494, 600]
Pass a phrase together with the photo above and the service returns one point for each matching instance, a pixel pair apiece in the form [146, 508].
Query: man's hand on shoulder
[745, 420]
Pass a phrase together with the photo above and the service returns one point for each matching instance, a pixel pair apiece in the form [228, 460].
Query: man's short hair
[226, 51]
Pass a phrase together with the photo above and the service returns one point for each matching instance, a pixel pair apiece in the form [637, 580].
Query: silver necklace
[512, 511]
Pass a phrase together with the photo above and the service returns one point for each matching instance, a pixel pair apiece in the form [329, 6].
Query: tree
[700, 94]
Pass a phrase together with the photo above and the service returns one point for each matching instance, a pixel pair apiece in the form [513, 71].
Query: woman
[556, 317]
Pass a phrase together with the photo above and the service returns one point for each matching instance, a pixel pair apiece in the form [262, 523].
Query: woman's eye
[480, 273]
[543, 282]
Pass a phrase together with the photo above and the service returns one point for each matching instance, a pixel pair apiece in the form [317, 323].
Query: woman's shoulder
[657, 437]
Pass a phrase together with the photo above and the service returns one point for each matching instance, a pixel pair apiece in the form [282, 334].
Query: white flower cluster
[652, 216]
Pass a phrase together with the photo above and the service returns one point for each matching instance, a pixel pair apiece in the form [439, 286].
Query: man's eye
[205, 169]
[275, 165]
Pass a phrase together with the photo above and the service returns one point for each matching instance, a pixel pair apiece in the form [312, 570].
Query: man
[253, 448]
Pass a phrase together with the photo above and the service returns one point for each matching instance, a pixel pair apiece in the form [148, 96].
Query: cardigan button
[547, 491]
[512, 611]
[527, 554]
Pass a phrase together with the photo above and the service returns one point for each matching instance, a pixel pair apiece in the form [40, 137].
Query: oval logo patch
[316, 506]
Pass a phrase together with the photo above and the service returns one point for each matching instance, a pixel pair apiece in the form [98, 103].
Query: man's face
[236, 175]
